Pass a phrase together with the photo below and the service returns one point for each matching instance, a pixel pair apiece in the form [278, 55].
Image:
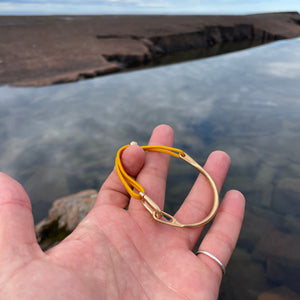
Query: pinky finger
[221, 238]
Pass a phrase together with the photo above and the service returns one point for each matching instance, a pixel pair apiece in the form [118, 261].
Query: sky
[79, 7]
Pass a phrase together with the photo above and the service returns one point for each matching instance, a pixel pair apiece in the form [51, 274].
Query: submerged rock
[281, 254]
[244, 277]
[286, 196]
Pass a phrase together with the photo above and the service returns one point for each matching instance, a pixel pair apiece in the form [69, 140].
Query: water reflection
[61, 139]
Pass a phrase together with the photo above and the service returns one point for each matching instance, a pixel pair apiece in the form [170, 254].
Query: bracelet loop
[160, 216]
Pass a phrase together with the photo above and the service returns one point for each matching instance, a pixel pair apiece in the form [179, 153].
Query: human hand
[116, 253]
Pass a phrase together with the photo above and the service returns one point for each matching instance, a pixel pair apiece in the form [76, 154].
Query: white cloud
[145, 6]
[288, 70]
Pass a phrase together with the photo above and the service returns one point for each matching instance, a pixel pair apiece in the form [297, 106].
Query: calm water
[61, 139]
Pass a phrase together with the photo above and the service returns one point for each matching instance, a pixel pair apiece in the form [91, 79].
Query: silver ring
[212, 257]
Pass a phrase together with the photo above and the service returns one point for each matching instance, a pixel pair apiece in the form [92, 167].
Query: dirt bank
[45, 50]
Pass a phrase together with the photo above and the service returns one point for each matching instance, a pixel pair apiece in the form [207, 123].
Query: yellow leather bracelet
[137, 191]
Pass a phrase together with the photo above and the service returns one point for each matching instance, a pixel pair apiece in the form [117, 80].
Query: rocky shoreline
[45, 50]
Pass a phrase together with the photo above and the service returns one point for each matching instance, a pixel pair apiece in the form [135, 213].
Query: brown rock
[64, 215]
[280, 293]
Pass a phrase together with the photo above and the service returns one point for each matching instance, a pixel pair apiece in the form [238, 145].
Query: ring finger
[222, 236]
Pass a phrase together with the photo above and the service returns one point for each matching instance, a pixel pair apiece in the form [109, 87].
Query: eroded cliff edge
[45, 50]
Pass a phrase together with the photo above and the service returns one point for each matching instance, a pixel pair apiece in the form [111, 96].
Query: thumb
[16, 220]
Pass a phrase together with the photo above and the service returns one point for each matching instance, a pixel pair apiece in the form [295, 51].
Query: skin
[122, 254]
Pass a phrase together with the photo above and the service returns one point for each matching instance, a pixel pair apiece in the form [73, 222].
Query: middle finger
[199, 202]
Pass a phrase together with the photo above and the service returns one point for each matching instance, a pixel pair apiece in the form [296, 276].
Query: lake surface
[61, 139]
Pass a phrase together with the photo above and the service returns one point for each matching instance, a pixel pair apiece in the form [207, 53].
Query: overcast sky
[28, 7]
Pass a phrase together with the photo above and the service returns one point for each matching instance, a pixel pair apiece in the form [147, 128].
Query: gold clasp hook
[157, 213]
[151, 206]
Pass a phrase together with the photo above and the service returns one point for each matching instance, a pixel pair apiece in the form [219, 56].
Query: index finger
[153, 175]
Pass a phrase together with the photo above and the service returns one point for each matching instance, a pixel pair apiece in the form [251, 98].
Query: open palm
[118, 253]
